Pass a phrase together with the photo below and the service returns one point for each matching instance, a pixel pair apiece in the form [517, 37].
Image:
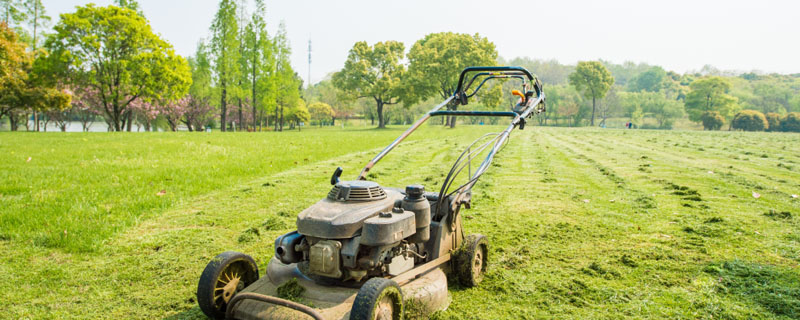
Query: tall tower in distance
[308, 80]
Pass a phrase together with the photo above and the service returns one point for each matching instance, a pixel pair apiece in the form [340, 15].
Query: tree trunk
[381, 121]
[13, 121]
[223, 108]
[255, 117]
[593, 105]
[276, 118]
[35, 119]
[333, 121]
[129, 120]
[117, 119]
[280, 122]
[240, 115]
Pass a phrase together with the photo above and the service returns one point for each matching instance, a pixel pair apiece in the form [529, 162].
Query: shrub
[791, 123]
[712, 120]
[774, 121]
[749, 120]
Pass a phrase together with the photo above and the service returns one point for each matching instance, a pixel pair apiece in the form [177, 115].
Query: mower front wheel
[224, 276]
[378, 299]
[471, 260]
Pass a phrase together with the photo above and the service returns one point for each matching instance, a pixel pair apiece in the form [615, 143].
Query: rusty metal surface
[333, 303]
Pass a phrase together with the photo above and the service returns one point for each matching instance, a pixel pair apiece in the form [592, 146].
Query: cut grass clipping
[292, 290]
[576, 229]
[775, 289]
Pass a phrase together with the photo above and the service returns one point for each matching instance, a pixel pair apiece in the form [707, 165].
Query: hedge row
[751, 120]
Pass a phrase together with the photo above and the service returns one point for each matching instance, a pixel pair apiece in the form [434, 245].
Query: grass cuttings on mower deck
[293, 291]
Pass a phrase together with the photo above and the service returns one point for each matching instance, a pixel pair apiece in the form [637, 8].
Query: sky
[679, 35]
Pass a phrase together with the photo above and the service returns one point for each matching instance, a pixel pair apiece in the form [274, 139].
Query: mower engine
[360, 230]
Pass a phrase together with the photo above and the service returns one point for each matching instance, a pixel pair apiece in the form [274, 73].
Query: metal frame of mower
[219, 294]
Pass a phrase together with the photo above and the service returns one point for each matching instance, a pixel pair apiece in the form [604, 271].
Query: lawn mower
[365, 251]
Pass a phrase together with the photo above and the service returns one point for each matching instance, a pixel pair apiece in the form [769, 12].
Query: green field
[583, 223]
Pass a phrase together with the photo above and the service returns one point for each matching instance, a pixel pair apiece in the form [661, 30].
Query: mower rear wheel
[224, 276]
[378, 299]
[471, 260]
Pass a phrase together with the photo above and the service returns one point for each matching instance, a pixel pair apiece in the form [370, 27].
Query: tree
[86, 106]
[14, 66]
[664, 110]
[436, 61]
[712, 120]
[625, 72]
[173, 111]
[563, 102]
[791, 122]
[324, 91]
[20, 86]
[320, 111]
[652, 80]
[12, 12]
[492, 98]
[36, 20]
[130, 4]
[198, 108]
[749, 120]
[285, 81]
[609, 105]
[297, 113]
[225, 49]
[373, 72]
[113, 50]
[593, 79]
[773, 121]
[258, 61]
[710, 95]
[549, 71]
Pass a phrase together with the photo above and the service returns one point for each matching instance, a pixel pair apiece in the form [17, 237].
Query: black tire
[216, 286]
[378, 298]
[471, 260]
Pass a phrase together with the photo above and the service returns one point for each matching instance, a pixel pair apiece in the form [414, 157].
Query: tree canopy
[21, 86]
[435, 62]
[652, 80]
[710, 95]
[225, 52]
[593, 79]
[113, 51]
[320, 111]
[373, 72]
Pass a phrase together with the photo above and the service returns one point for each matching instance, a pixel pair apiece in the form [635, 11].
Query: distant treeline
[240, 78]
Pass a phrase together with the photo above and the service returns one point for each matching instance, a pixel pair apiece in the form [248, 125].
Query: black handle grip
[504, 70]
[336, 175]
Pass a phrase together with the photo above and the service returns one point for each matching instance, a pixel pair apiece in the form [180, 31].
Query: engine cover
[331, 218]
[388, 228]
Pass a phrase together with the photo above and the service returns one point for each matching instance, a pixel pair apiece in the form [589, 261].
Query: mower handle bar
[436, 111]
[495, 71]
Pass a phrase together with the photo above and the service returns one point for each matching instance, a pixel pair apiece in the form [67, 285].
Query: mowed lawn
[583, 223]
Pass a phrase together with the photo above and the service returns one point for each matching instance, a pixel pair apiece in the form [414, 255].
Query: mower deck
[332, 302]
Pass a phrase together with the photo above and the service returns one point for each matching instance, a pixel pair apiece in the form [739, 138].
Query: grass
[582, 223]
